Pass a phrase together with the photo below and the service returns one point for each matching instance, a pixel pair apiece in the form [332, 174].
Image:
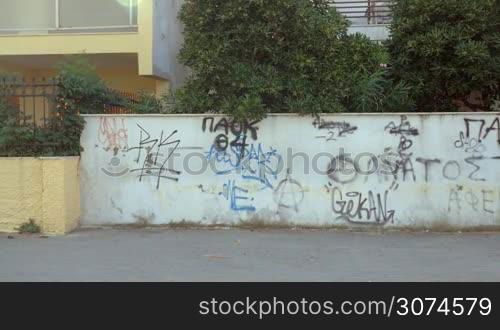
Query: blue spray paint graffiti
[244, 163]
[253, 162]
[235, 194]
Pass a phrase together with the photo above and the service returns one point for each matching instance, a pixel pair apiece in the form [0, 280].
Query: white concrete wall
[432, 169]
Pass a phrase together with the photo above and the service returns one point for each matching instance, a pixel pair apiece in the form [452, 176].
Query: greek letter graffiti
[482, 133]
[477, 201]
[235, 127]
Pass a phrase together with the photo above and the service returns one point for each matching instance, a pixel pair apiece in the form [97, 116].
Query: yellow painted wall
[123, 79]
[46, 190]
[69, 43]
[140, 42]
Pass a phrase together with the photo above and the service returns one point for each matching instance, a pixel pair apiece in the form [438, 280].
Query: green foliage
[252, 57]
[79, 91]
[29, 228]
[495, 106]
[376, 92]
[80, 84]
[444, 50]
[16, 137]
[147, 103]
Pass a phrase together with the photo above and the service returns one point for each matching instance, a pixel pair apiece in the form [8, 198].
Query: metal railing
[56, 16]
[35, 99]
[30, 104]
[365, 12]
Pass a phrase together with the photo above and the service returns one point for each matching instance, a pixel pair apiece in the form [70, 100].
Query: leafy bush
[16, 138]
[377, 92]
[79, 90]
[147, 103]
[79, 84]
[251, 57]
[445, 50]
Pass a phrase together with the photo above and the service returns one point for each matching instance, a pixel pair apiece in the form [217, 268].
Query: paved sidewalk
[238, 255]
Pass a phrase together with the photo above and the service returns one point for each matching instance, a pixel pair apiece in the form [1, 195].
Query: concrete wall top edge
[306, 115]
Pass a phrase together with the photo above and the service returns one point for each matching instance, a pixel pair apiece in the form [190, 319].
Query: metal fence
[33, 98]
[365, 12]
[32, 102]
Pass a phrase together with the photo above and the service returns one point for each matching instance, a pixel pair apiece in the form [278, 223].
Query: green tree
[252, 57]
[447, 49]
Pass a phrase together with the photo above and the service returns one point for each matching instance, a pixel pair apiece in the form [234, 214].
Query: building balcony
[133, 43]
[370, 17]
[67, 16]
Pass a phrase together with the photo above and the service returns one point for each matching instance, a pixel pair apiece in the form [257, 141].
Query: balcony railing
[53, 16]
[365, 12]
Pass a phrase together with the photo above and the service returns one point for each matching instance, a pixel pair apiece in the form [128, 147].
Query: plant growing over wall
[79, 83]
[147, 103]
[80, 90]
[447, 49]
[251, 57]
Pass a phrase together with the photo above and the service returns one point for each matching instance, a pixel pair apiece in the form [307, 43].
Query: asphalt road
[239, 255]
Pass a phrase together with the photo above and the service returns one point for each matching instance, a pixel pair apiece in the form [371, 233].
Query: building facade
[132, 43]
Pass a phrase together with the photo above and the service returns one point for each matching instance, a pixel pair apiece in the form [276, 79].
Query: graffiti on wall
[153, 154]
[400, 164]
[333, 130]
[371, 173]
[235, 152]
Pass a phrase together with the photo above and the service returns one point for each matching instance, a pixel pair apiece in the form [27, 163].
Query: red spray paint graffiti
[113, 134]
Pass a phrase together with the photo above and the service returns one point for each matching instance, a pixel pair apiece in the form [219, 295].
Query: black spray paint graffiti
[356, 208]
[483, 129]
[234, 127]
[403, 155]
[453, 170]
[153, 155]
[470, 144]
[477, 201]
[342, 170]
[333, 129]
[239, 129]
[399, 164]
[289, 193]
